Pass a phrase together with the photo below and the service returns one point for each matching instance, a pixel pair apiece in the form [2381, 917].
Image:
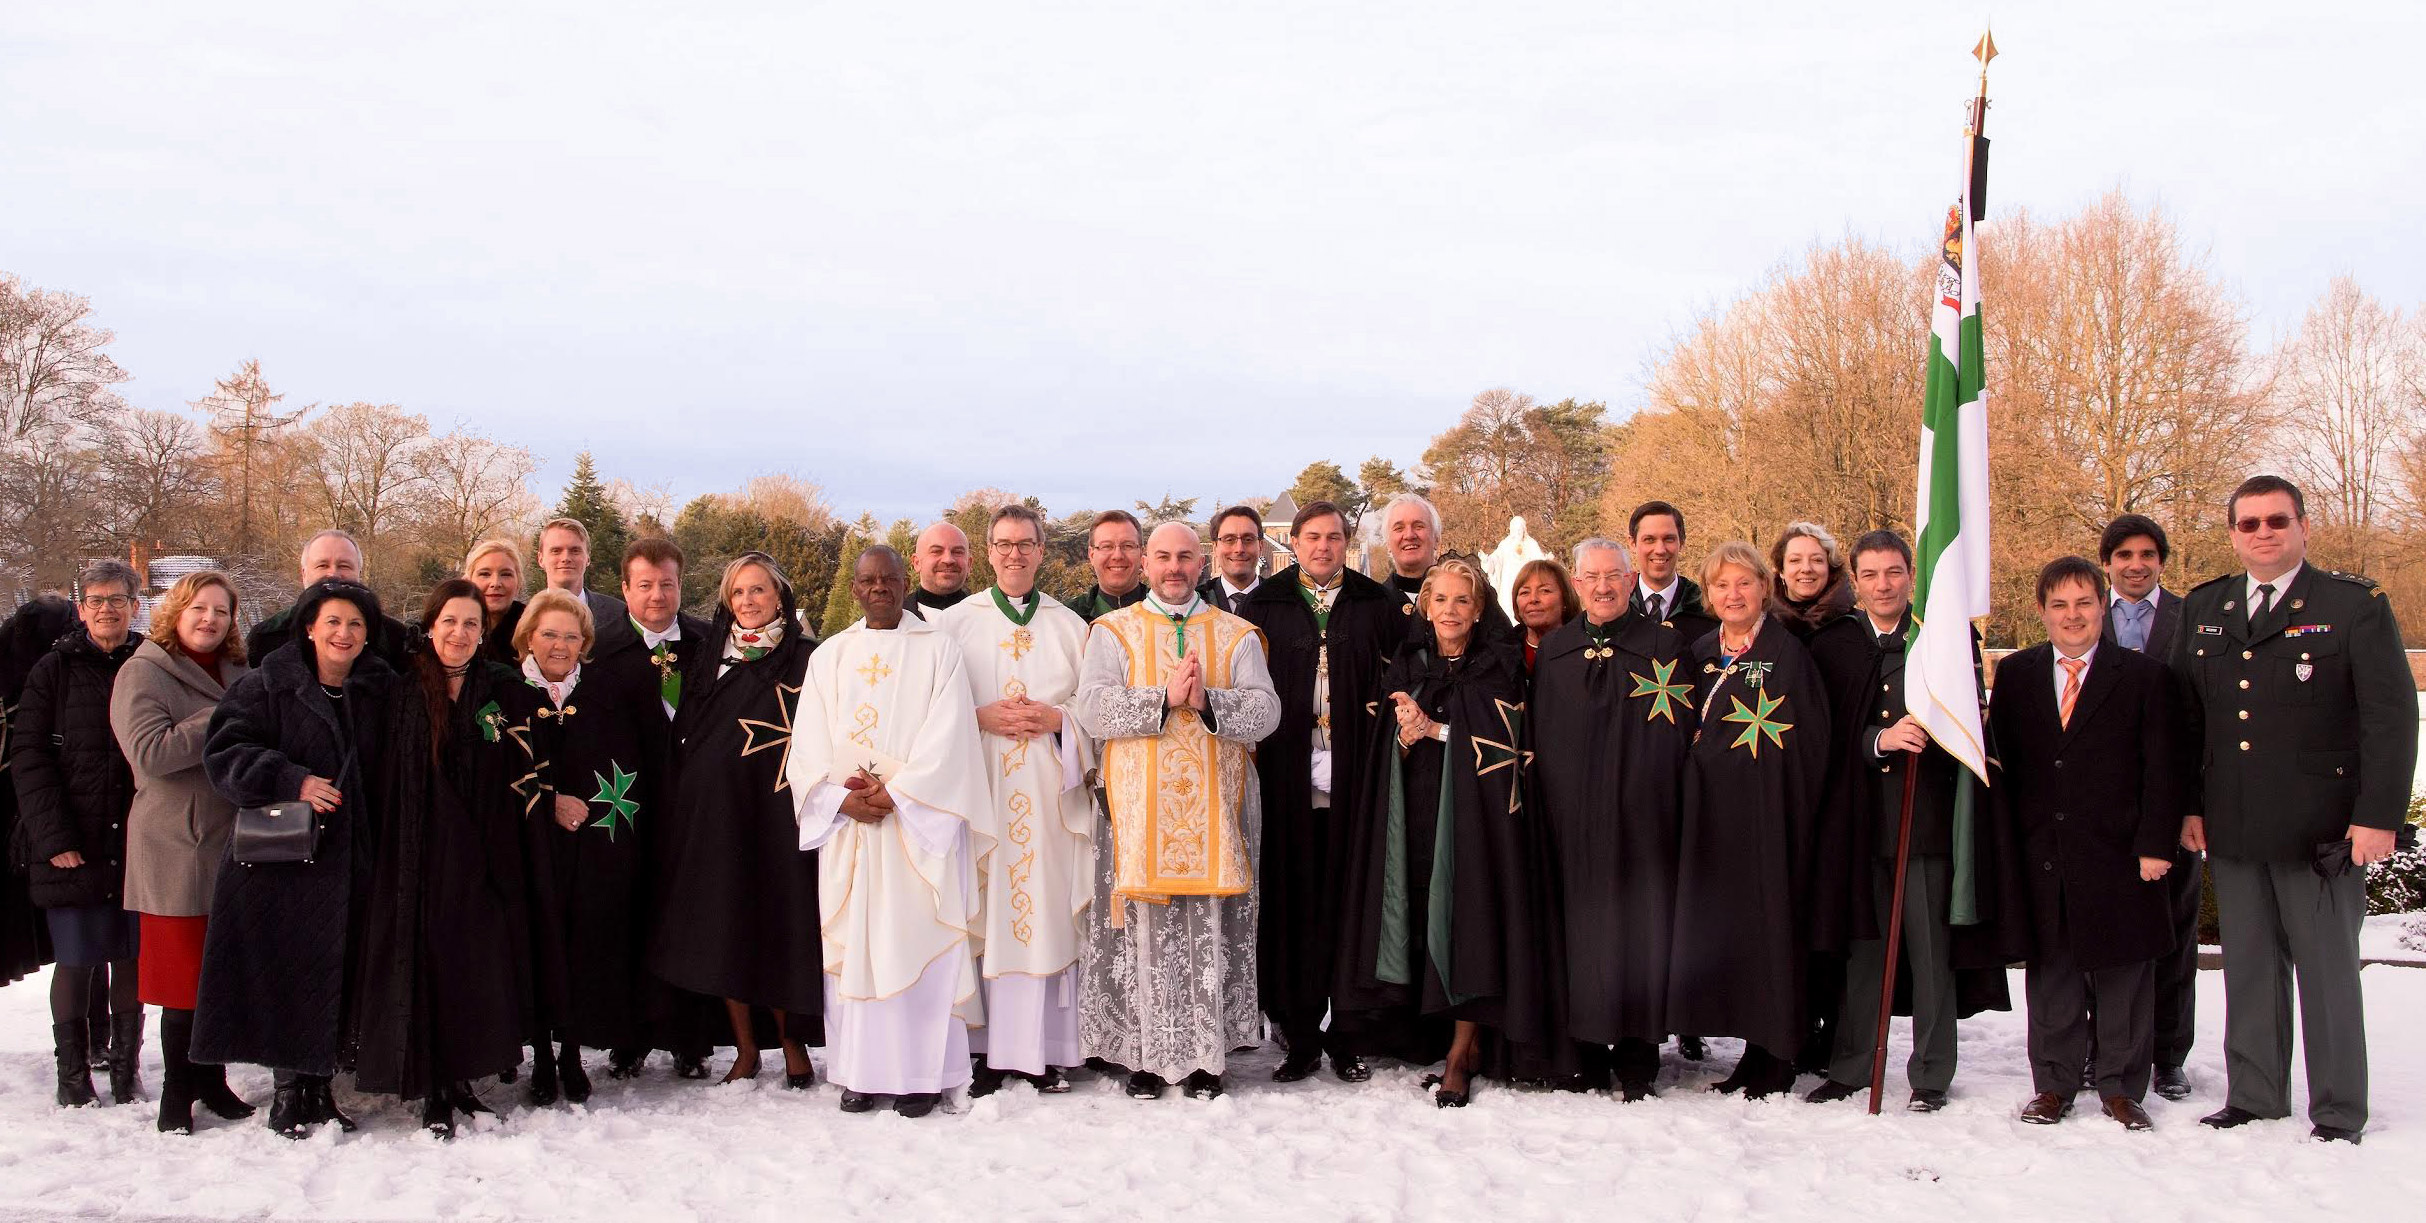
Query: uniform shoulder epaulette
[2359, 580]
[2219, 578]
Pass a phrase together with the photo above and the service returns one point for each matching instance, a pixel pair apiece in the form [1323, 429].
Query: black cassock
[609, 747]
[1752, 838]
[1443, 920]
[444, 963]
[1611, 717]
[1298, 879]
[740, 918]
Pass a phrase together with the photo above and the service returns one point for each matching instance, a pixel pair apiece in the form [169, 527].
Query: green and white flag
[1950, 585]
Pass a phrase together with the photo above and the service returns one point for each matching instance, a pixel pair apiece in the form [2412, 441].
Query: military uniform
[2309, 724]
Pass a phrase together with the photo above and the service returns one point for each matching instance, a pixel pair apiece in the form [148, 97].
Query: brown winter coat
[177, 832]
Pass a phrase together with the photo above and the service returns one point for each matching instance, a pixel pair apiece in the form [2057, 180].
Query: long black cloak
[497, 645]
[25, 941]
[609, 746]
[1610, 723]
[1298, 882]
[1443, 885]
[445, 960]
[1744, 880]
[740, 917]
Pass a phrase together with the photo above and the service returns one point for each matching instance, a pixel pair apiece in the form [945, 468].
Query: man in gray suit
[2142, 615]
[2310, 724]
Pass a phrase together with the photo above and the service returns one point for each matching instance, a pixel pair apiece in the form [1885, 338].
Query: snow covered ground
[661, 1149]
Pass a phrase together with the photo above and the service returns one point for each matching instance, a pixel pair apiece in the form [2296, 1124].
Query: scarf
[557, 689]
[752, 644]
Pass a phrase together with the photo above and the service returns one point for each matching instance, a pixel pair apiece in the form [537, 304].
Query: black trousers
[2177, 973]
[2061, 1023]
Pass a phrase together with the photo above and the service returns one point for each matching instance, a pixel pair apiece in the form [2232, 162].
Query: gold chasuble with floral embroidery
[1174, 797]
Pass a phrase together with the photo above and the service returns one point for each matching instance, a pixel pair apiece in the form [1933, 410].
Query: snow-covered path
[660, 1149]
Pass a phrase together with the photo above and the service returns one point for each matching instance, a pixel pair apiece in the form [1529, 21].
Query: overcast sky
[1097, 250]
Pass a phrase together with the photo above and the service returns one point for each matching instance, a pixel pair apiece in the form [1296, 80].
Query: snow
[2399, 937]
[664, 1149]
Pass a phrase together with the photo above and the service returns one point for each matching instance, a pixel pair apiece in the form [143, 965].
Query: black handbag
[277, 833]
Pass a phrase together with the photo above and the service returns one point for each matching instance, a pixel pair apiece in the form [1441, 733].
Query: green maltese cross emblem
[1758, 722]
[491, 720]
[617, 795]
[1664, 689]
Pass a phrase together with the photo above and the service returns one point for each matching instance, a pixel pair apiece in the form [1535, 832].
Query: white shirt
[2282, 586]
[2057, 666]
[1231, 594]
[653, 640]
[1667, 597]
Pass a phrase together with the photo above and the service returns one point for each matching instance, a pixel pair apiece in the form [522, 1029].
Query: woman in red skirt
[177, 832]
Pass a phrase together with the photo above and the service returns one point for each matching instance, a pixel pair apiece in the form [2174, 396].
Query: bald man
[942, 562]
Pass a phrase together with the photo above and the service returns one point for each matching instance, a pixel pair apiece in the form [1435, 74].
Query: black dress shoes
[858, 1102]
[543, 1090]
[1691, 1048]
[2229, 1118]
[1351, 1068]
[288, 1116]
[1052, 1082]
[984, 1081]
[2172, 1082]
[917, 1104]
[1299, 1065]
[1202, 1085]
[576, 1080]
[438, 1117]
[690, 1066]
[1632, 1090]
[1832, 1091]
[2334, 1133]
[1143, 1086]
[625, 1063]
[461, 1098]
[1925, 1100]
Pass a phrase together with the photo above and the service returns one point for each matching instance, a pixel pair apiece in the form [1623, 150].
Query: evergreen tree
[841, 609]
[585, 501]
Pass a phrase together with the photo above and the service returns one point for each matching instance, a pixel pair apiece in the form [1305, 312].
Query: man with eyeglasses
[2296, 677]
[1116, 552]
[1238, 554]
[329, 554]
[1035, 842]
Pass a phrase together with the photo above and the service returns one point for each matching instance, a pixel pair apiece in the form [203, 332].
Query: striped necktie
[2072, 688]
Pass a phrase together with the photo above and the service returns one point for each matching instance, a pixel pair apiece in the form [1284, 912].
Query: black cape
[25, 941]
[1745, 866]
[1298, 881]
[1444, 912]
[610, 747]
[1610, 725]
[498, 645]
[444, 963]
[740, 918]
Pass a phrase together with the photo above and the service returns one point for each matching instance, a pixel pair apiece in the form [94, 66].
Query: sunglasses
[2272, 522]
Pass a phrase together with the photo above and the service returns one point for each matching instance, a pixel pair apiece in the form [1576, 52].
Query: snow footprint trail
[669, 1151]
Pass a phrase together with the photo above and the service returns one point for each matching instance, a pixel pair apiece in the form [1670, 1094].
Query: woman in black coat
[26, 638]
[494, 567]
[277, 980]
[73, 792]
[444, 963]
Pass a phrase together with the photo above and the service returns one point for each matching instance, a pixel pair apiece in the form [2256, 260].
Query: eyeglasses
[2272, 522]
[1016, 547]
[111, 602]
[1125, 548]
[1237, 541]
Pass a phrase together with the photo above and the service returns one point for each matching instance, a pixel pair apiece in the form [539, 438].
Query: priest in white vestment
[1034, 840]
[1177, 692]
[887, 769]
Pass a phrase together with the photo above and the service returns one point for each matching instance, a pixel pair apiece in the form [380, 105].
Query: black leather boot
[97, 1052]
[126, 1056]
[438, 1115]
[323, 1105]
[543, 1090]
[212, 1092]
[575, 1079]
[290, 1106]
[71, 1042]
[176, 1073]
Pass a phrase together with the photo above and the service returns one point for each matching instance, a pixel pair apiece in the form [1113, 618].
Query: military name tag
[2215, 630]
[2304, 670]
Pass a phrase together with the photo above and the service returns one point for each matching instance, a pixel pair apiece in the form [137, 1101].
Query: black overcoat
[2077, 806]
[26, 637]
[275, 986]
[73, 784]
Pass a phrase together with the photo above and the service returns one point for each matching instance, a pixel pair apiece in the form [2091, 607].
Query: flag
[1950, 579]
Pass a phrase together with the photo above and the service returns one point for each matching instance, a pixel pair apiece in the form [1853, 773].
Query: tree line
[2122, 377]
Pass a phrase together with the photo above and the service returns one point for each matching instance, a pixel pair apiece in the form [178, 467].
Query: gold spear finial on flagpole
[1985, 50]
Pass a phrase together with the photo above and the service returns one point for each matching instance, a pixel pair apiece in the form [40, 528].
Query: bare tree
[52, 367]
[245, 430]
[789, 499]
[364, 463]
[2349, 384]
[155, 488]
[48, 481]
[648, 507]
[471, 487]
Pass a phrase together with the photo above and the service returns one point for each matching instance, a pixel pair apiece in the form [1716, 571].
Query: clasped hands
[1412, 724]
[1018, 717]
[1186, 687]
[866, 799]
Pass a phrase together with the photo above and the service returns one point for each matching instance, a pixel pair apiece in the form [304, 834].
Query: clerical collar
[1023, 612]
[1109, 601]
[653, 639]
[1195, 601]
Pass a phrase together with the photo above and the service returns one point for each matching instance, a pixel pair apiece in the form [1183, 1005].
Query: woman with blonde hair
[1752, 827]
[494, 567]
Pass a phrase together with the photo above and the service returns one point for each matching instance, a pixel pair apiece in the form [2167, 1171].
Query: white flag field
[1950, 579]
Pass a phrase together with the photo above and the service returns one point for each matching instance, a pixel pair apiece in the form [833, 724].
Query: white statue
[1502, 563]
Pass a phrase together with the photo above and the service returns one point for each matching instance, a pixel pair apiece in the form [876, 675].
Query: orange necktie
[2072, 687]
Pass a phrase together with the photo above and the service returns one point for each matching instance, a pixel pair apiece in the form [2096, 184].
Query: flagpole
[1974, 144]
